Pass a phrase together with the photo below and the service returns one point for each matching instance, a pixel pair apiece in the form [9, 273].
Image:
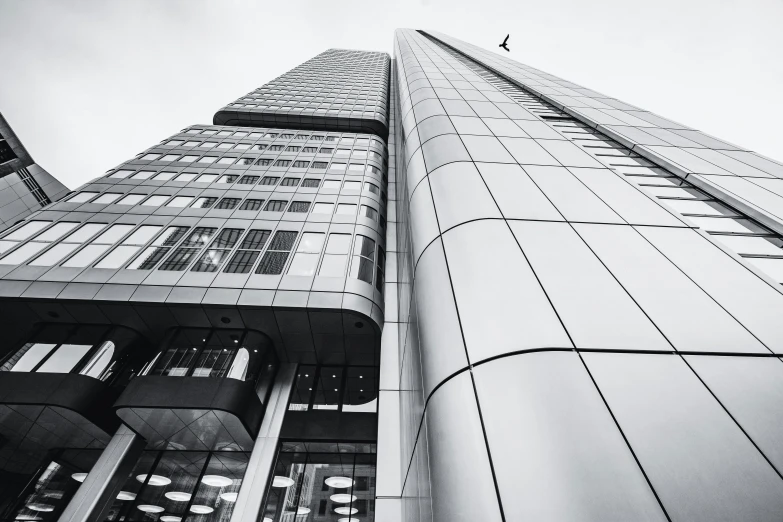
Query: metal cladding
[589, 325]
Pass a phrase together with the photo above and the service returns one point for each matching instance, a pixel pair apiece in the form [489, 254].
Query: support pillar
[95, 496]
[262, 459]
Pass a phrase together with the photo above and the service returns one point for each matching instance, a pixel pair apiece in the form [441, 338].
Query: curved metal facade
[570, 347]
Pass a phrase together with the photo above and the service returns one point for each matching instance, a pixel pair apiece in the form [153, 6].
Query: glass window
[204, 202]
[180, 201]
[27, 358]
[120, 174]
[269, 180]
[159, 248]
[336, 256]
[65, 358]
[248, 180]
[352, 185]
[290, 182]
[164, 176]
[247, 253]
[229, 178]
[275, 205]
[207, 178]
[107, 198]
[57, 231]
[186, 177]
[227, 203]
[22, 253]
[307, 253]
[275, 258]
[299, 206]
[311, 183]
[131, 199]
[363, 263]
[251, 204]
[155, 201]
[323, 208]
[207, 159]
[346, 208]
[218, 251]
[81, 197]
[144, 174]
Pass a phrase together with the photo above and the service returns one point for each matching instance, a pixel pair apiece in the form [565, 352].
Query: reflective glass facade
[563, 308]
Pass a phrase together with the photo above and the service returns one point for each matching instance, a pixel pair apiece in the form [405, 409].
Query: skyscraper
[558, 307]
[24, 186]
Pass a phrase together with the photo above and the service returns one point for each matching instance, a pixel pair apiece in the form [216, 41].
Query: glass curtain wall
[322, 482]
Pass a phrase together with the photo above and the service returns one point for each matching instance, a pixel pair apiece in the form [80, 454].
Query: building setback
[443, 286]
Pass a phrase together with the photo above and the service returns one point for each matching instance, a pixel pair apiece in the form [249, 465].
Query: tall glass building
[442, 286]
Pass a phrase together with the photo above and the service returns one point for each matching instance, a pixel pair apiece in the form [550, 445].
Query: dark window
[179, 259]
[301, 164]
[276, 147]
[319, 165]
[292, 149]
[248, 180]
[252, 204]
[299, 206]
[310, 150]
[275, 205]
[269, 180]
[227, 203]
[283, 163]
[326, 150]
[250, 248]
[264, 162]
[276, 256]
[290, 182]
[311, 183]
[199, 237]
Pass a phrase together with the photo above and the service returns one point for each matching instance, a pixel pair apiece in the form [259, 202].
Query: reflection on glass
[322, 482]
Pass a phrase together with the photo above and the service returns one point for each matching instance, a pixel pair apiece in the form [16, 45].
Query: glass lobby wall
[174, 486]
[43, 495]
[339, 388]
[322, 482]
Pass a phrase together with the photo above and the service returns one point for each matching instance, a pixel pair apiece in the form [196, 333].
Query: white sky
[89, 84]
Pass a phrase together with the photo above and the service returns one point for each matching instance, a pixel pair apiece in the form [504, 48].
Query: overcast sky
[89, 84]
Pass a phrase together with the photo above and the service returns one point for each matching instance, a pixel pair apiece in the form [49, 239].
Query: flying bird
[504, 44]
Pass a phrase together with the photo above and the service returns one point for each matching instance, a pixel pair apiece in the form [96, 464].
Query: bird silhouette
[503, 45]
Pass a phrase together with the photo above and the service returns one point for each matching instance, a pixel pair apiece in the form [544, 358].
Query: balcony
[204, 391]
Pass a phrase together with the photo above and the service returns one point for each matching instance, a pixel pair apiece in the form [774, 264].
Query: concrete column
[259, 469]
[94, 497]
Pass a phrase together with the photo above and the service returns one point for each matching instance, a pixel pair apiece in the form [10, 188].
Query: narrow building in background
[563, 308]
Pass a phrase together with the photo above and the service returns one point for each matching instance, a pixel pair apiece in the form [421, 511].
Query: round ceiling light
[302, 510]
[282, 482]
[178, 496]
[346, 511]
[267, 519]
[229, 497]
[149, 508]
[339, 482]
[79, 477]
[346, 519]
[43, 508]
[170, 518]
[126, 495]
[201, 510]
[155, 480]
[219, 481]
[343, 498]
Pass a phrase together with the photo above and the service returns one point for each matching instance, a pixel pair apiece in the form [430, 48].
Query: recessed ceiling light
[282, 482]
[267, 519]
[302, 511]
[229, 497]
[346, 510]
[178, 496]
[33, 517]
[201, 510]
[79, 477]
[155, 480]
[170, 518]
[149, 508]
[126, 495]
[44, 508]
[346, 519]
[216, 480]
[339, 482]
[343, 498]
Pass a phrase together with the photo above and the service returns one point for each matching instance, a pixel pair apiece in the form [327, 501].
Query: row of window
[354, 154]
[172, 248]
[344, 141]
[262, 162]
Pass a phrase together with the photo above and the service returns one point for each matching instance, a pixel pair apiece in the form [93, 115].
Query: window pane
[85, 232]
[179, 259]
[81, 197]
[113, 234]
[171, 236]
[255, 239]
[57, 231]
[241, 262]
[65, 358]
[180, 201]
[311, 242]
[210, 261]
[86, 256]
[117, 257]
[323, 208]
[142, 235]
[327, 391]
[303, 264]
[155, 201]
[338, 244]
[149, 258]
[27, 230]
[131, 199]
[346, 208]
[199, 237]
[107, 198]
[32, 354]
[272, 263]
[22, 253]
[54, 255]
[283, 240]
[333, 266]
